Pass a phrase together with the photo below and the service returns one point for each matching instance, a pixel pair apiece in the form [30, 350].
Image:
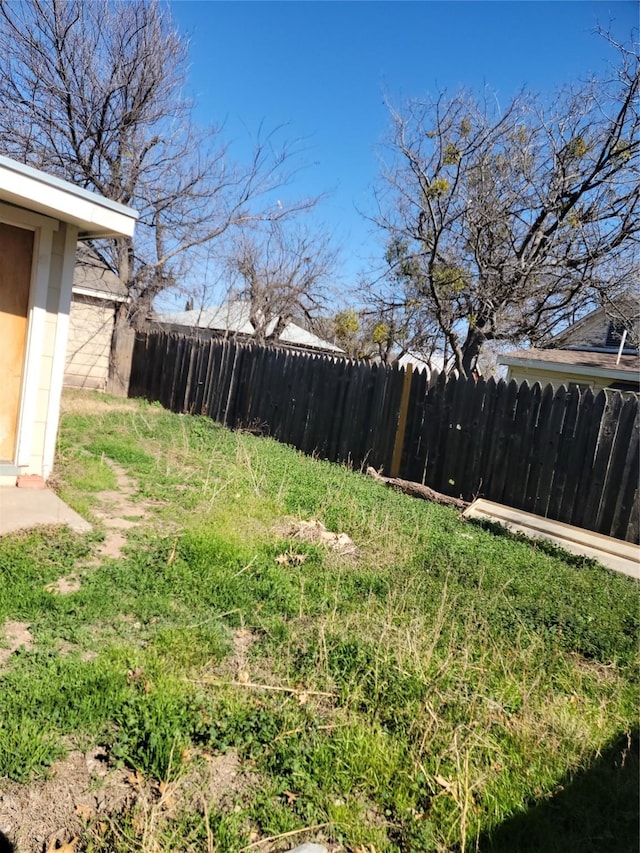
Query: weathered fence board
[563, 454]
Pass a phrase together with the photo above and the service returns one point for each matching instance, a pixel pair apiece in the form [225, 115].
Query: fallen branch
[417, 490]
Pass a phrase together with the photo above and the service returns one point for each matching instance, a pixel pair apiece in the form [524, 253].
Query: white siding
[90, 330]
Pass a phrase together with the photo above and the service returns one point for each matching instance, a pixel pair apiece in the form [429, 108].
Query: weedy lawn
[444, 689]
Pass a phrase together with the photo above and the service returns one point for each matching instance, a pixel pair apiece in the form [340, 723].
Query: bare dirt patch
[116, 508]
[237, 663]
[44, 814]
[118, 513]
[212, 781]
[83, 791]
[65, 585]
[62, 647]
[16, 635]
[207, 782]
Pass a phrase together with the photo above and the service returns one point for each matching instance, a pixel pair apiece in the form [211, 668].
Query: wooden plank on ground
[617, 555]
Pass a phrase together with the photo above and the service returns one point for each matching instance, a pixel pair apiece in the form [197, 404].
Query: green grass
[447, 689]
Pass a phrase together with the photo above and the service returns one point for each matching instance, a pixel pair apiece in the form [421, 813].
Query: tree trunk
[278, 329]
[121, 353]
[471, 351]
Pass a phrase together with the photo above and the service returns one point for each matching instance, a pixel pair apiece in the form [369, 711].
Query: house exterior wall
[56, 322]
[90, 329]
[57, 213]
[591, 332]
[49, 301]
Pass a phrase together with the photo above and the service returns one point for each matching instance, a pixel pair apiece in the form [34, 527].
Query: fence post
[402, 421]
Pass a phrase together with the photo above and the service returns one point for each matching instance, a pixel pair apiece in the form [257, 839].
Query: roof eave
[93, 215]
[99, 294]
[578, 369]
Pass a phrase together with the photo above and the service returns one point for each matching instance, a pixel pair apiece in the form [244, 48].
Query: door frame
[43, 228]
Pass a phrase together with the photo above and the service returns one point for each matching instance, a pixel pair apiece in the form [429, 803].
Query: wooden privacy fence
[567, 455]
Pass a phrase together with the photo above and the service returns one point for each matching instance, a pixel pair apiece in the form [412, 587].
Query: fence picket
[540, 444]
[625, 523]
[563, 453]
[549, 461]
[592, 430]
[486, 394]
[615, 478]
[503, 425]
[605, 441]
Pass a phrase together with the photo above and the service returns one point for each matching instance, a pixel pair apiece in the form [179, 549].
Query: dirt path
[82, 790]
[118, 513]
[44, 815]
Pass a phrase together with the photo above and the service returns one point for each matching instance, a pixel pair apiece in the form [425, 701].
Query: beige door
[16, 253]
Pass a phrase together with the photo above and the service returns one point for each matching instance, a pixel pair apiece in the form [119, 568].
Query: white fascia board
[93, 215]
[577, 369]
[99, 294]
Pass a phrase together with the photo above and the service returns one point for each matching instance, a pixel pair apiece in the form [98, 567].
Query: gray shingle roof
[600, 360]
[90, 273]
[234, 318]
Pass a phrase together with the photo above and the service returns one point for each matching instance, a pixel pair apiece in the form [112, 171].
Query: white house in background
[592, 353]
[232, 320]
[96, 295]
[419, 361]
[41, 220]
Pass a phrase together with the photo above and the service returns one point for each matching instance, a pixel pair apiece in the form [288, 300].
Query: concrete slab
[21, 509]
[623, 557]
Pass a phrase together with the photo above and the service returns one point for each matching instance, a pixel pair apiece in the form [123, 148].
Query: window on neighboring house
[614, 334]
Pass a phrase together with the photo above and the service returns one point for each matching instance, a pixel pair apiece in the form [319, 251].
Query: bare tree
[502, 223]
[94, 92]
[284, 271]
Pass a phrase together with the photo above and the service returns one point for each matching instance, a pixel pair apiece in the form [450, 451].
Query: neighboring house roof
[589, 347]
[594, 330]
[92, 277]
[580, 362]
[93, 215]
[421, 361]
[233, 318]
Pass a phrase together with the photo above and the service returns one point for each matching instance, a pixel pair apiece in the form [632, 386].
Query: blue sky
[323, 69]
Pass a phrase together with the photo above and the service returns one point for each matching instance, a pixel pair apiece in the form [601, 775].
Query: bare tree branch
[284, 271]
[93, 92]
[500, 225]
